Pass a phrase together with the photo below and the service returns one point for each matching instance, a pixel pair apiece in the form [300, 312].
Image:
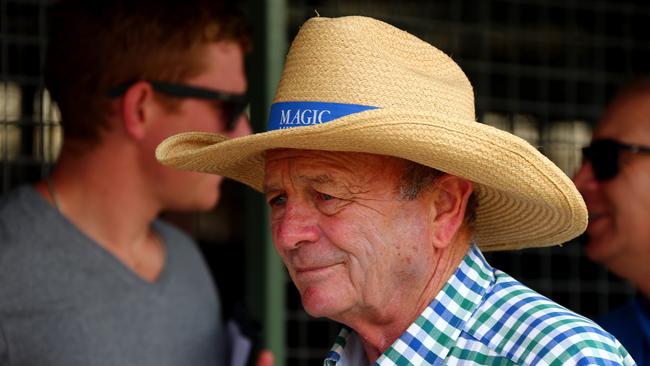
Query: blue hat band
[298, 114]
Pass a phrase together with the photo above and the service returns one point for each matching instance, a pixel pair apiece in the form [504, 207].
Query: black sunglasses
[604, 156]
[231, 105]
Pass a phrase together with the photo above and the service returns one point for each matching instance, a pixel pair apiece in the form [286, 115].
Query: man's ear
[450, 199]
[137, 109]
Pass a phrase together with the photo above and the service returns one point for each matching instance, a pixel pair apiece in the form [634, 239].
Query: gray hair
[417, 177]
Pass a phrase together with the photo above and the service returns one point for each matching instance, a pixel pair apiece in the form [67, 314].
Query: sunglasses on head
[604, 156]
[231, 105]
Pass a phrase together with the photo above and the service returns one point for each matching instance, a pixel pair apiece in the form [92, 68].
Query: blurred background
[542, 70]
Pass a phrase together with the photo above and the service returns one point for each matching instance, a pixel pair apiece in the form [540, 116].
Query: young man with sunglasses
[88, 274]
[615, 182]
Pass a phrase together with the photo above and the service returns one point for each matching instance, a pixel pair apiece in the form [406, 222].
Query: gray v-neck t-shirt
[64, 300]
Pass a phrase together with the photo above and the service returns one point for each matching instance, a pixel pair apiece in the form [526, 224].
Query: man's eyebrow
[270, 188]
[319, 179]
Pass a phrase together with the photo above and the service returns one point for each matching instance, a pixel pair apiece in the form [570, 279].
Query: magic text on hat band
[296, 114]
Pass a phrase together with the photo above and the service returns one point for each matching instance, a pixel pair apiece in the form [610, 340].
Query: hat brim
[524, 200]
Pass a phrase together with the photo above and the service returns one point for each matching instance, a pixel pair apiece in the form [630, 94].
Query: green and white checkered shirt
[483, 316]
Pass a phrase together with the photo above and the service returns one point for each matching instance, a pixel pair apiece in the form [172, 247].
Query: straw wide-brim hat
[357, 84]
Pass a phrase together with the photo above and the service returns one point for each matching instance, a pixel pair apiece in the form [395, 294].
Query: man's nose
[242, 127]
[584, 178]
[297, 226]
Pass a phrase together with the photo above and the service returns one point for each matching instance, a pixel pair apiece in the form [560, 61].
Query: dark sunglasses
[604, 156]
[231, 105]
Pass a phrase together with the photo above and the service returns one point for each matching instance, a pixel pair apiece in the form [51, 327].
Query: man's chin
[205, 202]
[317, 305]
[207, 205]
[200, 205]
[599, 250]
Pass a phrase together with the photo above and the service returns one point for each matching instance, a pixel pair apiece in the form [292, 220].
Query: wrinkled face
[182, 190]
[350, 243]
[619, 209]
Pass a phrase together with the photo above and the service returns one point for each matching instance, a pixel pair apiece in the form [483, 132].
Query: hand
[265, 358]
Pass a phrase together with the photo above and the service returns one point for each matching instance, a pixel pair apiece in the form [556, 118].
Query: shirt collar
[429, 339]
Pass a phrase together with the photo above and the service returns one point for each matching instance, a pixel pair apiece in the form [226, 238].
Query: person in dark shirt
[615, 182]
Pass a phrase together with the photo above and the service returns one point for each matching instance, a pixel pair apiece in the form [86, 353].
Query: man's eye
[328, 204]
[325, 197]
[280, 199]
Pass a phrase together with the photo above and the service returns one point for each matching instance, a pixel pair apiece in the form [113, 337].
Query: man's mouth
[313, 268]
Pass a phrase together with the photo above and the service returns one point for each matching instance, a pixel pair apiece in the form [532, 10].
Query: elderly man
[379, 182]
[615, 182]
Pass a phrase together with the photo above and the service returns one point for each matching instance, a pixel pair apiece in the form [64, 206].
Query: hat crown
[360, 60]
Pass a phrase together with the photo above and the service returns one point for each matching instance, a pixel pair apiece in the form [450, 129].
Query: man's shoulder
[625, 314]
[28, 245]
[629, 324]
[20, 218]
[17, 202]
[528, 328]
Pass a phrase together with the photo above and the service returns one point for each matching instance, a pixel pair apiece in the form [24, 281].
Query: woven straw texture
[425, 114]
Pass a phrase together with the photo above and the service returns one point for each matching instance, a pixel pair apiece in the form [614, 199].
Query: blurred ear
[450, 199]
[137, 109]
